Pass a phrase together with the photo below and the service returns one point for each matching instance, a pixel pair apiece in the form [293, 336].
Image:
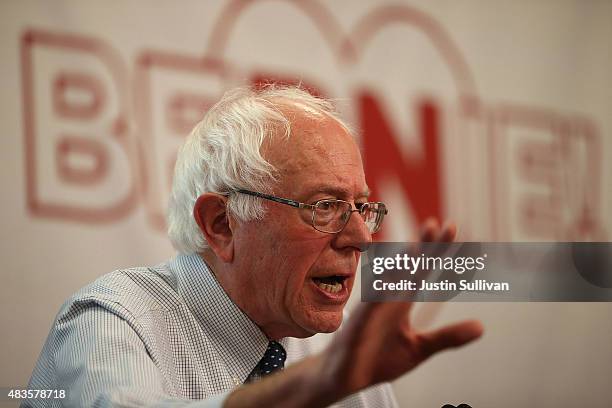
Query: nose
[355, 234]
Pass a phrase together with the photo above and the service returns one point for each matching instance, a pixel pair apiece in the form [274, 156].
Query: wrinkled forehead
[319, 146]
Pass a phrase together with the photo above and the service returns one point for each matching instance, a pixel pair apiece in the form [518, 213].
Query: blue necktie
[272, 361]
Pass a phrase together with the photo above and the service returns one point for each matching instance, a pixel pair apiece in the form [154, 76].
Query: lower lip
[339, 297]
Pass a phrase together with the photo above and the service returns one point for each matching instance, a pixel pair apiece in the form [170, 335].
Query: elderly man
[269, 211]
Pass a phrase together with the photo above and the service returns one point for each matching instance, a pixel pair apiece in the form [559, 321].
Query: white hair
[223, 154]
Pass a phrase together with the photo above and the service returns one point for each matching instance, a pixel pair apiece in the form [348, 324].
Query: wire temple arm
[287, 201]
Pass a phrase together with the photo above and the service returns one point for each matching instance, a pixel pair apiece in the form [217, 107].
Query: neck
[240, 290]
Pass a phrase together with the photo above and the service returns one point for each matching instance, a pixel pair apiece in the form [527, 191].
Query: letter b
[79, 156]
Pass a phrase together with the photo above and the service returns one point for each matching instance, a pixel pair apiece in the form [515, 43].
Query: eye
[327, 206]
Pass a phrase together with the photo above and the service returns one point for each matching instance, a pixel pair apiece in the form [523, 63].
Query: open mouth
[331, 284]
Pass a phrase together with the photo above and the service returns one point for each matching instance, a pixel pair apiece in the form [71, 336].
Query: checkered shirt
[162, 336]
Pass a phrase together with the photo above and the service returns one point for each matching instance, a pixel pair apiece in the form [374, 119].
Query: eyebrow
[339, 192]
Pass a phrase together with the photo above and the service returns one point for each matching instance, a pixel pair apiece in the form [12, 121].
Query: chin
[324, 322]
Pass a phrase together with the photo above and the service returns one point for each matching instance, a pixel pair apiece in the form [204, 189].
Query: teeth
[335, 288]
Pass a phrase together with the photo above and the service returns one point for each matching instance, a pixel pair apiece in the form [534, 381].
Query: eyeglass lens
[332, 215]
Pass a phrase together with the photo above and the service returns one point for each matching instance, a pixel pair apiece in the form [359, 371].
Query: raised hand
[379, 343]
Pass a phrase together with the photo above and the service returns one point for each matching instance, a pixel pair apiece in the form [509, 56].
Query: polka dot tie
[273, 359]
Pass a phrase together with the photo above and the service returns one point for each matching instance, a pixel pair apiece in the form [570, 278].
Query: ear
[210, 213]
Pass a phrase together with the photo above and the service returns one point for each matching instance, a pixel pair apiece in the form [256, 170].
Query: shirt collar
[238, 340]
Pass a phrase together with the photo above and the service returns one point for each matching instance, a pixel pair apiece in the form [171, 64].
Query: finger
[429, 230]
[397, 310]
[444, 239]
[455, 335]
[449, 232]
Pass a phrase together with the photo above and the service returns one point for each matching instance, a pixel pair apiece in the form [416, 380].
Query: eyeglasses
[331, 215]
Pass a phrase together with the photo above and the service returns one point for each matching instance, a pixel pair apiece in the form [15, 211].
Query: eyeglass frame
[297, 204]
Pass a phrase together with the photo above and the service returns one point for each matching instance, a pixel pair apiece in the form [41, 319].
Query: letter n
[419, 177]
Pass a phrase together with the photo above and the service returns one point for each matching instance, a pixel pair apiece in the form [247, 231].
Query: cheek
[298, 267]
[286, 249]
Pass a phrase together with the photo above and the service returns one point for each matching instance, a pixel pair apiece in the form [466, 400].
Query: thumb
[447, 337]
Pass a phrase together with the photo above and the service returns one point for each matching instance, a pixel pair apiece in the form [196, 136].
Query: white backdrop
[496, 114]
